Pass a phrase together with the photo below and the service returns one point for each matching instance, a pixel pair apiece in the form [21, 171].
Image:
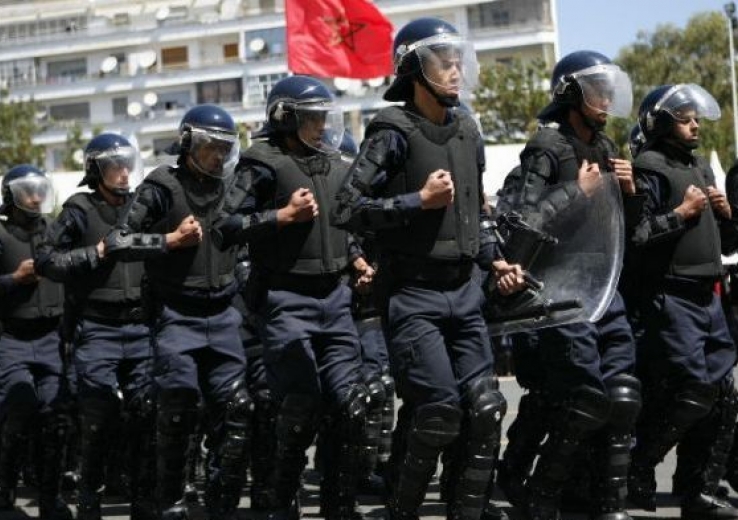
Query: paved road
[433, 510]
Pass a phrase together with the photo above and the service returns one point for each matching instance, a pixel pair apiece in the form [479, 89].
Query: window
[17, 72]
[230, 52]
[225, 91]
[258, 87]
[120, 107]
[70, 112]
[490, 14]
[66, 70]
[173, 100]
[174, 57]
[265, 43]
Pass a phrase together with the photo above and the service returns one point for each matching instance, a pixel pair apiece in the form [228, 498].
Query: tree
[18, 121]
[509, 97]
[75, 146]
[698, 54]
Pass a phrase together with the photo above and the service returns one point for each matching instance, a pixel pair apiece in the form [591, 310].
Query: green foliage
[699, 54]
[509, 97]
[18, 121]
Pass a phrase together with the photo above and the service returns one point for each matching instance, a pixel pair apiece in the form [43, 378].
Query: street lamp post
[732, 22]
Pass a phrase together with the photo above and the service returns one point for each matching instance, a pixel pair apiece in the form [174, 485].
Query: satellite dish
[257, 45]
[146, 59]
[150, 99]
[342, 84]
[78, 157]
[108, 64]
[162, 13]
[134, 109]
[376, 82]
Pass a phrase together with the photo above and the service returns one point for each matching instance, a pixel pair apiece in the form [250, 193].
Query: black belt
[198, 307]
[689, 288]
[315, 286]
[30, 328]
[431, 274]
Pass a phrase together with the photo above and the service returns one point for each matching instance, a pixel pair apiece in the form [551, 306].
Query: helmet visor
[689, 101]
[448, 62]
[320, 126]
[33, 194]
[606, 88]
[118, 167]
[214, 153]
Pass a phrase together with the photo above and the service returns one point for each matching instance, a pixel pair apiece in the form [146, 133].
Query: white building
[135, 66]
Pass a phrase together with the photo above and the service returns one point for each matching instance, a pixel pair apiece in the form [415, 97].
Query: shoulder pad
[392, 117]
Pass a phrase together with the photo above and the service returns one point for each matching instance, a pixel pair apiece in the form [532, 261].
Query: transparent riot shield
[572, 254]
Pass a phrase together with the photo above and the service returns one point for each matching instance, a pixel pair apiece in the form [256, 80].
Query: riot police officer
[686, 342]
[197, 348]
[299, 292]
[105, 323]
[588, 366]
[416, 185]
[32, 376]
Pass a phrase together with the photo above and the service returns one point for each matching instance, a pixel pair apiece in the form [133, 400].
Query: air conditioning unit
[121, 19]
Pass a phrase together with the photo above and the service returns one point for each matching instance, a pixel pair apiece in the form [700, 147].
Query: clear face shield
[214, 153]
[606, 88]
[119, 168]
[33, 194]
[320, 126]
[448, 63]
[685, 102]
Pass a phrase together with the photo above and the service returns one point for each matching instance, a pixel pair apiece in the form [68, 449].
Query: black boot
[661, 425]
[142, 457]
[433, 427]
[13, 442]
[612, 449]
[176, 418]
[706, 449]
[472, 484]
[97, 416]
[54, 427]
[229, 456]
[296, 427]
[263, 450]
[586, 412]
[525, 435]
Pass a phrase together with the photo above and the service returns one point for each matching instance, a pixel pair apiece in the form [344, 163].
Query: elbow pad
[120, 243]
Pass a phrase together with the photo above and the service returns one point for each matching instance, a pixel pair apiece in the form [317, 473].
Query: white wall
[500, 160]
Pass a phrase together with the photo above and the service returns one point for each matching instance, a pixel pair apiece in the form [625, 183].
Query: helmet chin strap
[592, 124]
[444, 101]
[115, 192]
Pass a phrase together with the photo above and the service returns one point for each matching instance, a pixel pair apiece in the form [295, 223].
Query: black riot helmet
[588, 78]
[106, 157]
[28, 189]
[425, 50]
[636, 140]
[303, 107]
[668, 103]
[208, 141]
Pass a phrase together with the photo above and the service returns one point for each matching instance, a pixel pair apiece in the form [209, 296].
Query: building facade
[135, 66]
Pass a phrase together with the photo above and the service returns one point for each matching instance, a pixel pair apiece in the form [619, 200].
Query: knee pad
[352, 415]
[693, 402]
[485, 404]
[239, 405]
[20, 405]
[297, 419]
[177, 411]
[625, 399]
[376, 394]
[434, 426]
[588, 409]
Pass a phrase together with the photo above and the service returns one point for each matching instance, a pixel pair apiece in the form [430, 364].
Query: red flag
[338, 38]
